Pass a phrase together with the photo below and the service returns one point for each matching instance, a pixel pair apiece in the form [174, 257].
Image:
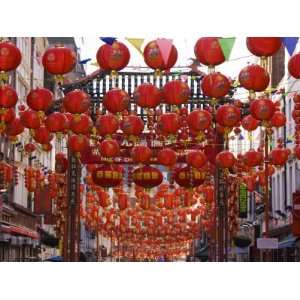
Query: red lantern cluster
[188, 177]
[167, 157]
[59, 60]
[8, 96]
[76, 102]
[215, 85]
[113, 57]
[147, 177]
[196, 159]
[294, 66]
[116, 100]
[279, 156]
[253, 158]
[225, 159]
[132, 125]
[176, 92]
[107, 124]
[208, 51]
[147, 95]
[228, 115]
[254, 78]
[262, 109]
[141, 154]
[109, 148]
[263, 46]
[168, 123]
[10, 56]
[154, 58]
[40, 99]
[107, 175]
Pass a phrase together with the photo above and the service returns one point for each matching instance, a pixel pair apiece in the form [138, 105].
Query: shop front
[18, 242]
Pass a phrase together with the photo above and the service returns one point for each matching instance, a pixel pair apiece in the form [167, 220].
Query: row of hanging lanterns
[189, 190]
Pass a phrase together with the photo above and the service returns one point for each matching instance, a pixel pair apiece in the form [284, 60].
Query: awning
[18, 230]
[288, 242]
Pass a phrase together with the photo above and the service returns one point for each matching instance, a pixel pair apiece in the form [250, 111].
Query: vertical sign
[243, 201]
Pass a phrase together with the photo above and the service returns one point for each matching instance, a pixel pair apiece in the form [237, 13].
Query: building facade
[26, 233]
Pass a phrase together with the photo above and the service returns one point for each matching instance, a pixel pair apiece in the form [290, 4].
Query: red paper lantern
[188, 177]
[147, 177]
[167, 157]
[132, 125]
[10, 56]
[176, 92]
[225, 159]
[249, 123]
[294, 66]
[297, 151]
[109, 148]
[61, 163]
[7, 116]
[76, 102]
[107, 175]
[262, 109]
[147, 95]
[228, 115]
[116, 100]
[30, 119]
[278, 119]
[8, 96]
[296, 98]
[215, 85]
[263, 46]
[199, 120]
[196, 159]
[42, 136]
[81, 124]
[107, 124]
[78, 143]
[59, 60]
[113, 57]
[29, 148]
[14, 128]
[208, 51]
[40, 99]
[57, 122]
[252, 158]
[168, 123]
[279, 156]
[141, 154]
[254, 78]
[154, 59]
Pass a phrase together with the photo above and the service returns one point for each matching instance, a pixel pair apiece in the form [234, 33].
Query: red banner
[42, 201]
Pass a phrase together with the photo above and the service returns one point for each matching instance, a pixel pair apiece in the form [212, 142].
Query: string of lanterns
[130, 202]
